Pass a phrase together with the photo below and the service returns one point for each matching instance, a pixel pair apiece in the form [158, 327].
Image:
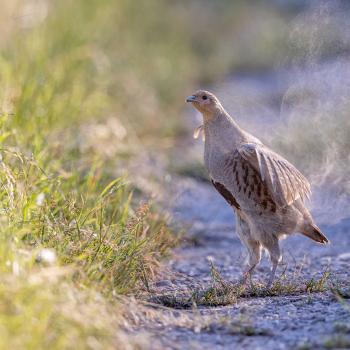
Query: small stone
[46, 256]
[40, 199]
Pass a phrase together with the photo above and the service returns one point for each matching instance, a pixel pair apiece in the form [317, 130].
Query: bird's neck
[213, 114]
[221, 130]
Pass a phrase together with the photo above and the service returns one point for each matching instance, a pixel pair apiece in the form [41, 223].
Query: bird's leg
[248, 275]
[275, 255]
[272, 274]
[254, 249]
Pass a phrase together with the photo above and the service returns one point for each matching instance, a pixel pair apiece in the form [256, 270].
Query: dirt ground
[305, 320]
[291, 320]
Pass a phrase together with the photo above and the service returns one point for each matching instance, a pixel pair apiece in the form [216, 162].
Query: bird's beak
[191, 98]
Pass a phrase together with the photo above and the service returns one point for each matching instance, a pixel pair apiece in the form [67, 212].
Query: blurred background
[92, 90]
[110, 77]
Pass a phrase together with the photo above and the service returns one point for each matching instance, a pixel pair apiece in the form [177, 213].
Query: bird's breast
[215, 161]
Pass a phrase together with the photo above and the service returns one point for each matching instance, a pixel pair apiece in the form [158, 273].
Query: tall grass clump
[100, 246]
[86, 85]
[58, 75]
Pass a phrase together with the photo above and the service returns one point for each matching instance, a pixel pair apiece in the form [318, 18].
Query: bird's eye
[204, 97]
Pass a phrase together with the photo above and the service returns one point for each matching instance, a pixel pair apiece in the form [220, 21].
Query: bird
[266, 191]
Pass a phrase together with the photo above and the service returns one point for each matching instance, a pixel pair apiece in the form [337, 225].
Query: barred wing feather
[285, 183]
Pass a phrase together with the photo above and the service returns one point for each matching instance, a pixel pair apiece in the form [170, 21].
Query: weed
[338, 342]
[222, 293]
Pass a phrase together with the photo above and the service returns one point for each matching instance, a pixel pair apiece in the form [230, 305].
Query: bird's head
[206, 103]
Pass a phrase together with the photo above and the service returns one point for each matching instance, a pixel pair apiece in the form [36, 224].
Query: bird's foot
[247, 279]
[269, 285]
[243, 281]
[272, 275]
[252, 285]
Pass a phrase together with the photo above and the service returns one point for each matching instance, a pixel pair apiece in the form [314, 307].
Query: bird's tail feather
[313, 232]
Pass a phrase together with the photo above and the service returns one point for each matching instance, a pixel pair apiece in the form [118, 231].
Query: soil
[300, 319]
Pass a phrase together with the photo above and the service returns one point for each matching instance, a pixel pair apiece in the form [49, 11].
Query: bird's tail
[313, 232]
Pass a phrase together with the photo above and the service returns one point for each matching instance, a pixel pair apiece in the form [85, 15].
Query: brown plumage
[265, 190]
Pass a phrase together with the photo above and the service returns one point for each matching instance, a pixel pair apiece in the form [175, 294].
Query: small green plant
[318, 285]
[337, 342]
[222, 292]
[237, 326]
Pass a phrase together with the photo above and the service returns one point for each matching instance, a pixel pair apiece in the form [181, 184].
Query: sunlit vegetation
[86, 86]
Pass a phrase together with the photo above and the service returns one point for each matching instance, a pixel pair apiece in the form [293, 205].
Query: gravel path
[299, 321]
[302, 321]
[289, 321]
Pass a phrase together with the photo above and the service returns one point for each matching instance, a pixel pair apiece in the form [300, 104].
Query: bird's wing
[285, 183]
[226, 194]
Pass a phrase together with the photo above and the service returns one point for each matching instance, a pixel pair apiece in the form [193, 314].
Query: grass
[61, 193]
[46, 311]
[104, 244]
[222, 293]
[338, 342]
[239, 326]
[88, 86]
[341, 339]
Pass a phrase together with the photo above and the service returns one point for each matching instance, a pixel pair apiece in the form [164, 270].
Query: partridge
[266, 192]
